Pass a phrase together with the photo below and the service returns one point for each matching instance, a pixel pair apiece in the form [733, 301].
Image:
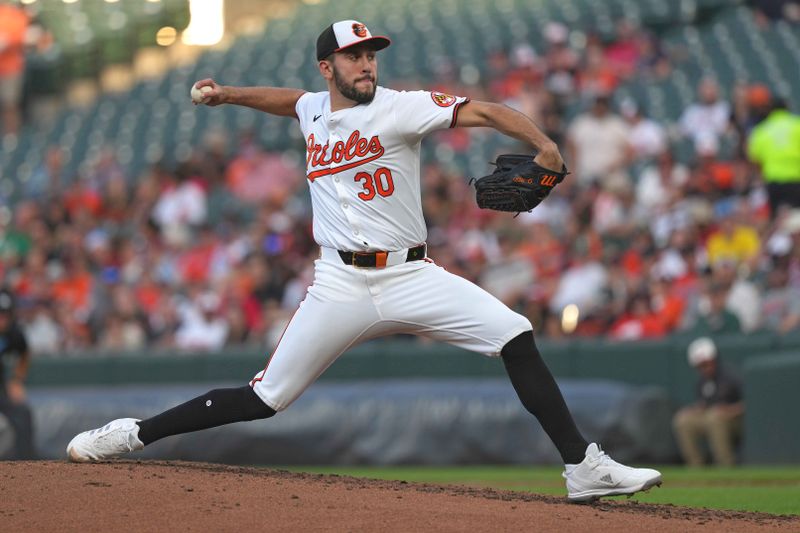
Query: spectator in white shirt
[708, 116]
[180, 205]
[597, 143]
[582, 283]
[646, 137]
[202, 326]
[659, 184]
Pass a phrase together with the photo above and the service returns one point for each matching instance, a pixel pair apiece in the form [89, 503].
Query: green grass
[773, 490]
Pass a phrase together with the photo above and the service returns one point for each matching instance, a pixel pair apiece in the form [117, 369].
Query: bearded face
[360, 90]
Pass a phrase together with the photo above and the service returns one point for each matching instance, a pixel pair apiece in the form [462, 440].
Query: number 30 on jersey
[378, 183]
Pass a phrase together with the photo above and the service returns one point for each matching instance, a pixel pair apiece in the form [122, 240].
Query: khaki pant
[720, 427]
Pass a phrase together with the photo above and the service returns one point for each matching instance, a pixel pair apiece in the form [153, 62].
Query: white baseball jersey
[363, 166]
[363, 172]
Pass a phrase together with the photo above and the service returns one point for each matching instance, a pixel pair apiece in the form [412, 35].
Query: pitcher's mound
[175, 496]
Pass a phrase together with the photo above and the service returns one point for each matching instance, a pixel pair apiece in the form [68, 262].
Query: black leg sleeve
[541, 396]
[215, 408]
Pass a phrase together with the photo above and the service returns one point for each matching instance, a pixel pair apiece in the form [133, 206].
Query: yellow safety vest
[775, 145]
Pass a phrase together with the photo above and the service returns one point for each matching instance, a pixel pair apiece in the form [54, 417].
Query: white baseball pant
[346, 305]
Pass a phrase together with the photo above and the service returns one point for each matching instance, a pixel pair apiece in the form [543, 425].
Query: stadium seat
[724, 42]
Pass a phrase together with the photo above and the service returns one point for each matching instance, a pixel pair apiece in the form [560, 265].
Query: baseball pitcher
[373, 276]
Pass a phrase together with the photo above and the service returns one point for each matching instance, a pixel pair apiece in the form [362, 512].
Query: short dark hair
[779, 102]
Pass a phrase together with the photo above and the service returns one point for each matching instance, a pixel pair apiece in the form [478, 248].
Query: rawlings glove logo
[549, 180]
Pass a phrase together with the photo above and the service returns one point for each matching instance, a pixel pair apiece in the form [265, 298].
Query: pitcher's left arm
[514, 124]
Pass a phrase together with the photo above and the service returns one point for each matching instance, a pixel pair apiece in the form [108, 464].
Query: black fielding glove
[517, 184]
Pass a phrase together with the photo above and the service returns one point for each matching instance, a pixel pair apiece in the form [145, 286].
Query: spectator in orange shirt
[639, 322]
[74, 288]
[667, 304]
[80, 197]
[13, 27]
[711, 176]
[597, 76]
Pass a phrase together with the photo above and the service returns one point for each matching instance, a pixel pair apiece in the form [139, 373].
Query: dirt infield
[174, 496]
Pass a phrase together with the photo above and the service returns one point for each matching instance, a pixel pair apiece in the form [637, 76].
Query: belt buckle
[380, 258]
[356, 255]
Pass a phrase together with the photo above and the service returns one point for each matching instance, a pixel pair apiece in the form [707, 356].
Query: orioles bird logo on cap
[359, 30]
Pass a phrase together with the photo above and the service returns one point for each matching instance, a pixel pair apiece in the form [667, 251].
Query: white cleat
[599, 475]
[115, 438]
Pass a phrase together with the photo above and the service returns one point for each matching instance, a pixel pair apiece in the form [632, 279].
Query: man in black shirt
[12, 393]
[717, 413]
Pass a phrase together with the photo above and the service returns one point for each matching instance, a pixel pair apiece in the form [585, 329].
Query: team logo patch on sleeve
[442, 99]
[359, 30]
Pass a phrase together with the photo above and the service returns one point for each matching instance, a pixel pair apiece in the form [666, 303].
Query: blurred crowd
[635, 244]
[20, 33]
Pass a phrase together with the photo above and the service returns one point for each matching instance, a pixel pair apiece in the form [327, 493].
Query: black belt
[378, 259]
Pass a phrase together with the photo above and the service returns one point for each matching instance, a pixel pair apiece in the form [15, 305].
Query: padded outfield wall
[660, 363]
[654, 380]
[772, 422]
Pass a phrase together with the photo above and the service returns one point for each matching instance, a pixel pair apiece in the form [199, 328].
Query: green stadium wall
[772, 424]
[769, 364]
[661, 363]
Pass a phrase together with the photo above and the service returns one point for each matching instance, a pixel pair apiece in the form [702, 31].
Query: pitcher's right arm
[273, 100]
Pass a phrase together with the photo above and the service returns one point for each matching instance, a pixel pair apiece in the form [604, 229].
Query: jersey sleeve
[418, 113]
[301, 107]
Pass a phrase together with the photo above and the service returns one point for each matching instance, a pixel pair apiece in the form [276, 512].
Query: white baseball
[199, 95]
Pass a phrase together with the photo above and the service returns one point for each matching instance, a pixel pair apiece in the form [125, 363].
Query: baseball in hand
[199, 95]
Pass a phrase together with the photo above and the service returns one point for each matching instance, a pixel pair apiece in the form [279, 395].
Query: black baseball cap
[344, 34]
